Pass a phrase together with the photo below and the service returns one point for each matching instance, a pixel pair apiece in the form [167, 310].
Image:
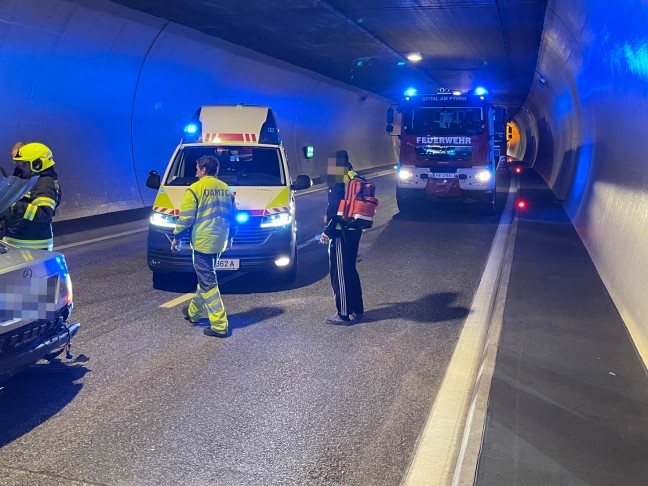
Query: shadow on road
[35, 395]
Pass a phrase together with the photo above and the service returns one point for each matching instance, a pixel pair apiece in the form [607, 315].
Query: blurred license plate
[443, 175]
[225, 264]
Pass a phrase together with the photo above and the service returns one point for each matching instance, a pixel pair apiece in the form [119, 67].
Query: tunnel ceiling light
[414, 56]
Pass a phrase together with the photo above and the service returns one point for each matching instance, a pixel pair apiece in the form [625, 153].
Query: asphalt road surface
[287, 399]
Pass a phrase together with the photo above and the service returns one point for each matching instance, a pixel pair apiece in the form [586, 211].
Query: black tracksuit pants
[343, 253]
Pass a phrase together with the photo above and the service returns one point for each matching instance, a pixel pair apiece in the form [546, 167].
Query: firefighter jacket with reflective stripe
[208, 213]
[28, 223]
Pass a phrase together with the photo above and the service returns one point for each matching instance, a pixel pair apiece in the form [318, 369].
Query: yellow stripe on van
[282, 199]
[162, 199]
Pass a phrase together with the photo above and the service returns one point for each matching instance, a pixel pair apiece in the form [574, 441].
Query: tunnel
[110, 88]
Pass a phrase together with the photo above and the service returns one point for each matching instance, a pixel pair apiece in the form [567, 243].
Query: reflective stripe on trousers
[345, 280]
[208, 298]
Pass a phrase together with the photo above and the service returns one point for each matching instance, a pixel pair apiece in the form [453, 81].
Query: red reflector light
[521, 204]
[518, 170]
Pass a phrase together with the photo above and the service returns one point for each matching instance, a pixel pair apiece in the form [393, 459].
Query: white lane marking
[186, 297]
[94, 240]
[439, 444]
[177, 301]
[466, 469]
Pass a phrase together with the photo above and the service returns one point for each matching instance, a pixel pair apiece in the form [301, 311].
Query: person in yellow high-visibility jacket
[208, 214]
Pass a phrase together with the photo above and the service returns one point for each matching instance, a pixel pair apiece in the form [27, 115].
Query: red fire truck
[447, 147]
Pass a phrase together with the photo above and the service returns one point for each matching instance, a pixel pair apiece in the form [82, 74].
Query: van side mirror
[302, 182]
[390, 116]
[153, 180]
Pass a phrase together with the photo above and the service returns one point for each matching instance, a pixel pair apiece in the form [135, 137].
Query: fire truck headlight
[163, 220]
[483, 176]
[405, 174]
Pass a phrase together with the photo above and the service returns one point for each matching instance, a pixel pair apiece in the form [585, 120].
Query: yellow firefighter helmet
[38, 155]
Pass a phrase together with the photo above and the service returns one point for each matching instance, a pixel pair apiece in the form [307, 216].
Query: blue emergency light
[191, 129]
[242, 217]
[410, 92]
[480, 91]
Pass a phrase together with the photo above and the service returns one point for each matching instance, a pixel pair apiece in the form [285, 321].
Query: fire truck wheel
[486, 207]
[407, 200]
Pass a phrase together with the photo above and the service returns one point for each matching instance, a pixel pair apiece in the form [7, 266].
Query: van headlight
[483, 176]
[163, 220]
[276, 220]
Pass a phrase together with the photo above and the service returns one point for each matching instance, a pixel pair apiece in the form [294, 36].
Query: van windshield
[239, 165]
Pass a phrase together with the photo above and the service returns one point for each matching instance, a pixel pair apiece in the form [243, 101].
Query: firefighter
[208, 217]
[343, 244]
[28, 223]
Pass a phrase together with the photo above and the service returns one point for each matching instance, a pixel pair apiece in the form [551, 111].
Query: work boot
[210, 332]
[185, 312]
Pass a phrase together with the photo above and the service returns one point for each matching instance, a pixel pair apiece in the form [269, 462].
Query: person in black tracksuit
[343, 248]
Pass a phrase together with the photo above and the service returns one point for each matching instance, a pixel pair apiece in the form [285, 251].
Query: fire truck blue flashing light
[410, 92]
[480, 91]
[242, 217]
[191, 129]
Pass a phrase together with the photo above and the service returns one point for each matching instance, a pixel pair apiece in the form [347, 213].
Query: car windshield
[239, 165]
[446, 121]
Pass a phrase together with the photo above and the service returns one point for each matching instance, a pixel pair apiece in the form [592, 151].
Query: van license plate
[225, 264]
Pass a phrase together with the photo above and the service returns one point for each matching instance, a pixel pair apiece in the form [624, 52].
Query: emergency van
[245, 139]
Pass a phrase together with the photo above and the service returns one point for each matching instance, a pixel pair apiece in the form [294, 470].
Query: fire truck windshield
[444, 121]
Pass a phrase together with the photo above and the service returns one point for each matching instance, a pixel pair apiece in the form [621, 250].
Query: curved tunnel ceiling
[464, 43]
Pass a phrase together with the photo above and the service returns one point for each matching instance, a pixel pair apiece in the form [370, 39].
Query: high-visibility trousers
[208, 298]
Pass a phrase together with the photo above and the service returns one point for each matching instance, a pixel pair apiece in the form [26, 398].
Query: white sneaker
[336, 319]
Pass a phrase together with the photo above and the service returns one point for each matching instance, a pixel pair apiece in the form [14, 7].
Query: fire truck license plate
[442, 175]
[225, 264]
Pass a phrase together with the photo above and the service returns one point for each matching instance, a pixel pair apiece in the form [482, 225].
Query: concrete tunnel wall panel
[67, 76]
[110, 89]
[595, 60]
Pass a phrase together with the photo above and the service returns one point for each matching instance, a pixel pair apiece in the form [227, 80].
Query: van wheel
[162, 280]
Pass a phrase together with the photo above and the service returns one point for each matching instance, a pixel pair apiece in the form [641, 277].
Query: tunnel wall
[589, 121]
[110, 89]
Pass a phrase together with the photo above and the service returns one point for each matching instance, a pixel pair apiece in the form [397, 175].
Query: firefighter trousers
[343, 253]
[208, 298]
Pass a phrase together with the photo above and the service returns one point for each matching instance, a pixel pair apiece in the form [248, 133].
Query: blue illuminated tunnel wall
[591, 127]
[110, 90]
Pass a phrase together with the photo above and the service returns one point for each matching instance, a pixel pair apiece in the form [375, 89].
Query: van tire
[161, 280]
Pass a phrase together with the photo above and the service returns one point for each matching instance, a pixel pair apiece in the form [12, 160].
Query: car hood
[12, 189]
